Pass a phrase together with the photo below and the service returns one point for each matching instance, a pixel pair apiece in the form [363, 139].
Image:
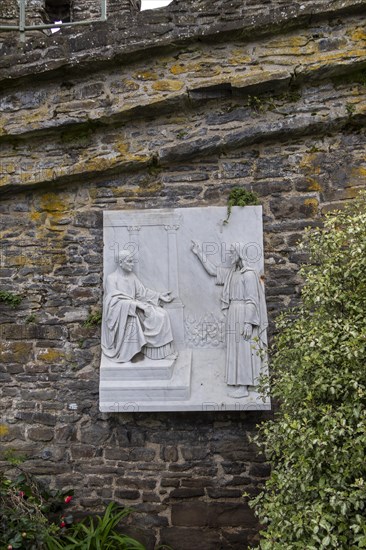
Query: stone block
[218, 492]
[169, 482]
[184, 538]
[216, 514]
[144, 454]
[194, 453]
[83, 451]
[99, 481]
[40, 434]
[150, 497]
[294, 207]
[44, 418]
[260, 470]
[169, 454]
[115, 453]
[197, 481]
[16, 352]
[138, 482]
[186, 492]
[91, 219]
[126, 494]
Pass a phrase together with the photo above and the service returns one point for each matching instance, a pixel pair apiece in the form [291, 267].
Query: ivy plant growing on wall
[240, 197]
[315, 497]
[9, 298]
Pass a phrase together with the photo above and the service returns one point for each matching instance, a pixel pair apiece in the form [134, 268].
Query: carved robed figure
[243, 303]
[133, 320]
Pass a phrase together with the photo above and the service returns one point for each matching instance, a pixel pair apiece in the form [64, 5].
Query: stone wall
[47, 11]
[160, 109]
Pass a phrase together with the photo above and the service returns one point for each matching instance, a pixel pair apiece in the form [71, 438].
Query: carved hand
[165, 297]
[247, 331]
[195, 247]
[141, 305]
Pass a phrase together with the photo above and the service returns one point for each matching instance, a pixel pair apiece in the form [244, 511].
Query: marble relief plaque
[184, 314]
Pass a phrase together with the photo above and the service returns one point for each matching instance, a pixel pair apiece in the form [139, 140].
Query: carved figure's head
[238, 254]
[125, 260]
[235, 253]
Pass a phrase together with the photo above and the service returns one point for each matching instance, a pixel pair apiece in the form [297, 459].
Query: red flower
[67, 499]
[62, 524]
[21, 494]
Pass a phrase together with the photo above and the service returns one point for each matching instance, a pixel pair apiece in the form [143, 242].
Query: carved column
[134, 243]
[172, 259]
[175, 307]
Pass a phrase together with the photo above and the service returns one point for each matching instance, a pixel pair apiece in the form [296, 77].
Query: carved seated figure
[133, 320]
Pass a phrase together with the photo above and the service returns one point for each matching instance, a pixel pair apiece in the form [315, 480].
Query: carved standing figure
[243, 303]
[133, 320]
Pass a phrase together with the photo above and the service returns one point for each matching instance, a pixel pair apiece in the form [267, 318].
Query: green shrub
[315, 497]
[25, 509]
[98, 533]
[33, 518]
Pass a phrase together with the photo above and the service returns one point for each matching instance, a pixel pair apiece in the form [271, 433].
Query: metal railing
[22, 27]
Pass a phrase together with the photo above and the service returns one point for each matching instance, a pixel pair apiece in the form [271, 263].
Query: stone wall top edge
[170, 158]
[127, 38]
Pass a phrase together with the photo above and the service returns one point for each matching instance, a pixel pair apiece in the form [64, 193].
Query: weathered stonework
[168, 108]
[40, 12]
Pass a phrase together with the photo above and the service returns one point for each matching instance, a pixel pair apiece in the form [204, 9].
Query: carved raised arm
[209, 266]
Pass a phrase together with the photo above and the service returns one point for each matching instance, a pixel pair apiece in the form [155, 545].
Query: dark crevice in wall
[58, 10]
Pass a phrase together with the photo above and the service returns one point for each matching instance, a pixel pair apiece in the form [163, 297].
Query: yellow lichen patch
[145, 75]
[50, 355]
[130, 85]
[122, 147]
[289, 51]
[177, 120]
[35, 216]
[3, 131]
[342, 57]
[16, 261]
[5, 180]
[16, 352]
[150, 189]
[120, 192]
[351, 192]
[178, 69]
[32, 119]
[312, 205]
[256, 77]
[4, 430]
[289, 41]
[9, 167]
[313, 184]
[358, 34]
[168, 86]
[50, 202]
[239, 60]
[358, 174]
[102, 163]
[361, 108]
[205, 69]
[310, 163]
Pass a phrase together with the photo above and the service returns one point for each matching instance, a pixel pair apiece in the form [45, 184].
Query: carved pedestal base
[146, 369]
[115, 388]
